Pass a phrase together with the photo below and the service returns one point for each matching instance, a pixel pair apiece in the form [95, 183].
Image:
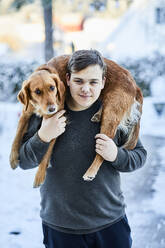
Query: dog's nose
[51, 109]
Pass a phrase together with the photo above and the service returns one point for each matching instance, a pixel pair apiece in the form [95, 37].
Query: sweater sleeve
[32, 148]
[130, 160]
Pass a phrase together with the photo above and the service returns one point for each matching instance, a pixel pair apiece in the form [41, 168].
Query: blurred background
[130, 32]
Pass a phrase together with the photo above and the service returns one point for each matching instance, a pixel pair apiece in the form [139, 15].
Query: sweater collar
[91, 111]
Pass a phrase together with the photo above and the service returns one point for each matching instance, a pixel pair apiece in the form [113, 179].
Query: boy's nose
[85, 88]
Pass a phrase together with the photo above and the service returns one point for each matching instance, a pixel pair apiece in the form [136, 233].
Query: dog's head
[44, 90]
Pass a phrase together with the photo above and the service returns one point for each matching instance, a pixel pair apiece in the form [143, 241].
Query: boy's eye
[37, 91]
[93, 82]
[78, 81]
[52, 88]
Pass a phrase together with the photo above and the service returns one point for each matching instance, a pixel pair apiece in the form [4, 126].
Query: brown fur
[119, 96]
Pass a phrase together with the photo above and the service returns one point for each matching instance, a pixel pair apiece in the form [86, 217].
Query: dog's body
[122, 107]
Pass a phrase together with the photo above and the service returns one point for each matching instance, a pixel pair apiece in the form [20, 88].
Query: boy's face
[85, 87]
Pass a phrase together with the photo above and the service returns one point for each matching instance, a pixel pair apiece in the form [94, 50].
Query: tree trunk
[47, 9]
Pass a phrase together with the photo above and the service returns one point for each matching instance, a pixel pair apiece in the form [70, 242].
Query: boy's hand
[52, 127]
[106, 147]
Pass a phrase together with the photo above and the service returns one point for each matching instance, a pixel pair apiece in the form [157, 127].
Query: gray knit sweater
[68, 203]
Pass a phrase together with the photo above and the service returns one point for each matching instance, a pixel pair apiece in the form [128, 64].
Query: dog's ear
[60, 87]
[23, 95]
[47, 68]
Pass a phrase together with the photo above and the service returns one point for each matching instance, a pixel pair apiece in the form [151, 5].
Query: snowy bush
[12, 74]
[146, 70]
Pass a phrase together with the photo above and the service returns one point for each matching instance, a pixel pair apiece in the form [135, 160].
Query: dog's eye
[37, 91]
[52, 88]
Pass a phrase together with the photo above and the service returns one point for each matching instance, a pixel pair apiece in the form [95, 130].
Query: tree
[47, 9]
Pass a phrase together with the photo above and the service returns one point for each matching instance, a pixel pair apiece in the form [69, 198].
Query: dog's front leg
[21, 129]
[41, 172]
[109, 124]
[93, 169]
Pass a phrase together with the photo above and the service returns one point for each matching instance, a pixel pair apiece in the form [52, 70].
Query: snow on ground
[19, 201]
[158, 200]
[143, 189]
[144, 197]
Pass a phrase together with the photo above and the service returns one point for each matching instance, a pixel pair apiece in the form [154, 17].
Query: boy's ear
[103, 82]
[67, 78]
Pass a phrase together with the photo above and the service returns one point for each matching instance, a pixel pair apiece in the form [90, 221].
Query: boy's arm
[32, 148]
[129, 160]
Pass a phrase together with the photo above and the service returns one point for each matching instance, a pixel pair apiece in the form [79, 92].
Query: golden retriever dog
[121, 108]
[43, 94]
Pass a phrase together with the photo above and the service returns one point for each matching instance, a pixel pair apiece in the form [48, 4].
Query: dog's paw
[96, 118]
[37, 182]
[14, 161]
[36, 185]
[39, 179]
[89, 176]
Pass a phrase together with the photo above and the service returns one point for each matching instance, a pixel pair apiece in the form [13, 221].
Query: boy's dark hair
[83, 58]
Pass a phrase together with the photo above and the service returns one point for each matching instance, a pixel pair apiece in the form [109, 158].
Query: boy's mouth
[84, 96]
